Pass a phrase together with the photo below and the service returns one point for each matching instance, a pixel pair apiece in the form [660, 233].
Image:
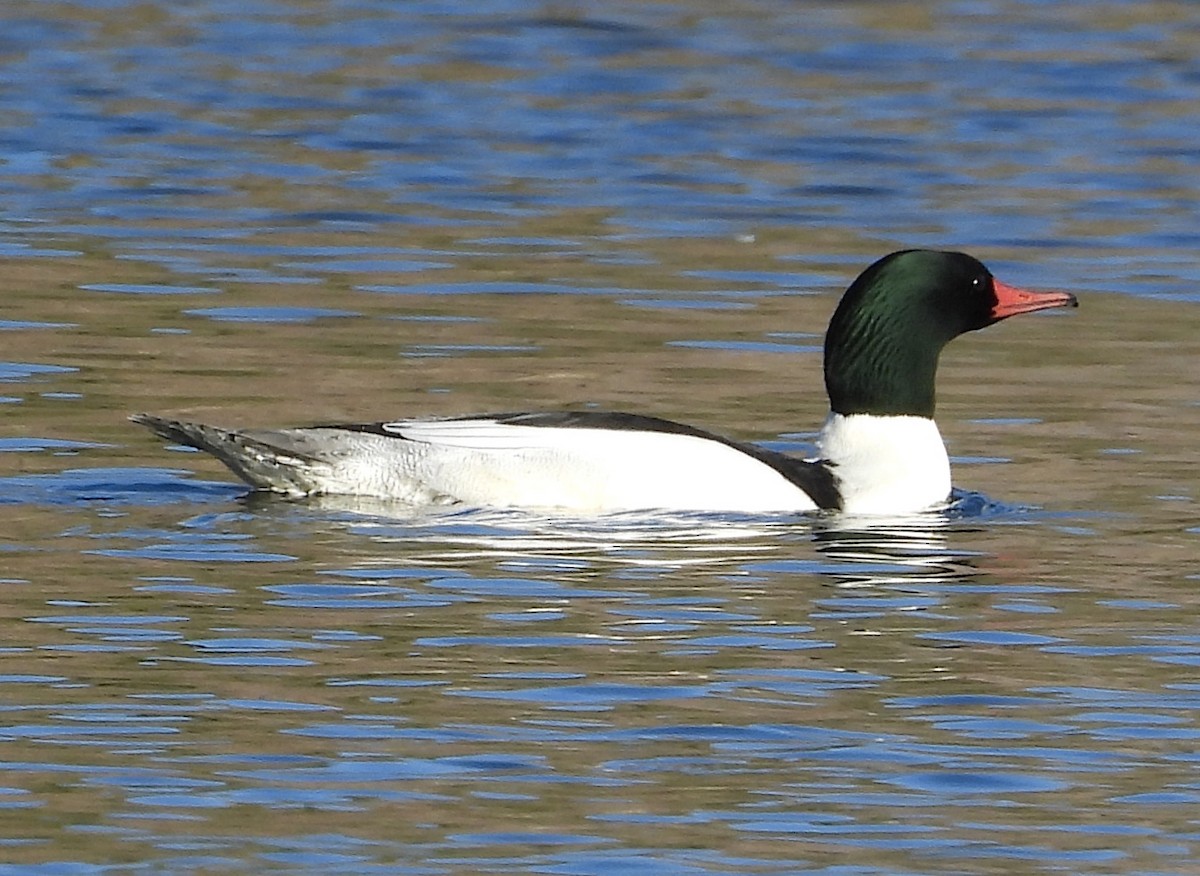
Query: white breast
[886, 465]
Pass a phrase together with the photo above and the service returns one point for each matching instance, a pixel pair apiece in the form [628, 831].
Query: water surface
[277, 212]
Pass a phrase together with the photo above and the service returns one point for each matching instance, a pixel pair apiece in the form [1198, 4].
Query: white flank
[489, 464]
[886, 465]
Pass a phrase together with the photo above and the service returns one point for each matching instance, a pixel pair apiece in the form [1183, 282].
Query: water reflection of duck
[886, 550]
[880, 450]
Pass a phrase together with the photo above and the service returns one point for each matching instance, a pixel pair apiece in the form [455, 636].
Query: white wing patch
[481, 434]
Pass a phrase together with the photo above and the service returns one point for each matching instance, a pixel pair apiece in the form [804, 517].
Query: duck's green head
[883, 343]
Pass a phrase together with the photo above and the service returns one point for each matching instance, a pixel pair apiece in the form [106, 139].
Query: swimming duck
[879, 450]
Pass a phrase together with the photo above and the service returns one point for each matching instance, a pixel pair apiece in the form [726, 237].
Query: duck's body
[582, 461]
[879, 451]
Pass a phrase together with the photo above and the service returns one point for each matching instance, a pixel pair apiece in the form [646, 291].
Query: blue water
[280, 211]
[1022, 126]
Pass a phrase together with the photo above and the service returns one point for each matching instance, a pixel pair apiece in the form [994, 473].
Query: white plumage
[487, 463]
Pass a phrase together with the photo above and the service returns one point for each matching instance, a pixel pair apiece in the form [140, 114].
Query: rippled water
[276, 212]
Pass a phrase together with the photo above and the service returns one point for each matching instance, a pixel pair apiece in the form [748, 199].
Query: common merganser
[880, 451]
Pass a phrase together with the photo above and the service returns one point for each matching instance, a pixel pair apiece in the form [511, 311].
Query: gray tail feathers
[257, 462]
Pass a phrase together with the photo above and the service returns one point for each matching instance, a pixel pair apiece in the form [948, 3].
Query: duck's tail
[252, 457]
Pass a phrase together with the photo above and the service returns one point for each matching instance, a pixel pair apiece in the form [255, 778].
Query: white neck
[886, 465]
